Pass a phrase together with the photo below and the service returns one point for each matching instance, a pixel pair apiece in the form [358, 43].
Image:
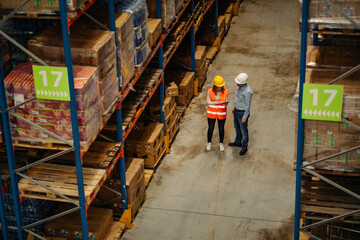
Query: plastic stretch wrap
[141, 54]
[52, 115]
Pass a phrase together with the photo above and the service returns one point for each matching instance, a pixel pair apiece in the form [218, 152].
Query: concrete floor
[211, 195]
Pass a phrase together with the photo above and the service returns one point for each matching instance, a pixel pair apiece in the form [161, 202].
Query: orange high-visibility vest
[217, 111]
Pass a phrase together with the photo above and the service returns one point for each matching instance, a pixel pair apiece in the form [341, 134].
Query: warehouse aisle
[211, 195]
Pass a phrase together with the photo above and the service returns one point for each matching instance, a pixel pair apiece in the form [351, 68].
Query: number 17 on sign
[51, 83]
[322, 102]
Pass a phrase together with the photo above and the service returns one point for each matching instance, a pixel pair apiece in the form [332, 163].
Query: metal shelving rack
[5, 112]
[300, 167]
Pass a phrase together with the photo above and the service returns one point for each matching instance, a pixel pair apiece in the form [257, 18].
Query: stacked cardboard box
[155, 30]
[135, 188]
[185, 84]
[221, 26]
[90, 48]
[322, 138]
[54, 116]
[69, 226]
[168, 11]
[126, 48]
[146, 142]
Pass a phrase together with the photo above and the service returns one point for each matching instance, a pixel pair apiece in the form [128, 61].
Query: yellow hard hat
[219, 81]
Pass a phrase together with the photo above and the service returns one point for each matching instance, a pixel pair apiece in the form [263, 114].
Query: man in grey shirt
[243, 95]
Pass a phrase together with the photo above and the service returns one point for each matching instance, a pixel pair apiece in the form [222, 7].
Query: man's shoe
[243, 151]
[233, 144]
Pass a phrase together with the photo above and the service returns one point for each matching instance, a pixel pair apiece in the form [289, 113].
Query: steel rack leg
[10, 156]
[300, 132]
[216, 13]
[4, 225]
[74, 118]
[119, 112]
[161, 66]
[121, 160]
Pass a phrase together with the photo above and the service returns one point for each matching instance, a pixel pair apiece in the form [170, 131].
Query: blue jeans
[242, 135]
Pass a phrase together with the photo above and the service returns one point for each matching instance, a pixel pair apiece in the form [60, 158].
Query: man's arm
[247, 103]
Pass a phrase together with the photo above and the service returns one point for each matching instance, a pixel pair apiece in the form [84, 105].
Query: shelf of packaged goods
[208, 6]
[140, 110]
[139, 73]
[165, 34]
[178, 44]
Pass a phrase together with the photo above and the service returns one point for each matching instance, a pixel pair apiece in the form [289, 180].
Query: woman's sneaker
[222, 148]
[208, 147]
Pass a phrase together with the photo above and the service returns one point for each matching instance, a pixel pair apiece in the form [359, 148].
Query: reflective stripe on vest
[217, 111]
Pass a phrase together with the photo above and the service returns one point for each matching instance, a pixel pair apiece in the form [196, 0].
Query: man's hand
[243, 120]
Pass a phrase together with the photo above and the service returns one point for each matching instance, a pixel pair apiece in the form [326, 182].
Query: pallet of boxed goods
[69, 226]
[89, 48]
[169, 103]
[54, 116]
[62, 179]
[135, 188]
[168, 10]
[147, 142]
[320, 12]
[115, 231]
[185, 83]
[321, 138]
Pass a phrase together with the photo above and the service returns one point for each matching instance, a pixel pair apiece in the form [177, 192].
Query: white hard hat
[242, 78]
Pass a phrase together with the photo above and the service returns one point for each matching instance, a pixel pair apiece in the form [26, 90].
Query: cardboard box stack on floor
[201, 67]
[325, 138]
[135, 188]
[168, 10]
[147, 142]
[185, 84]
[52, 115]
[69, 226]
[171, 116]
[89, 48]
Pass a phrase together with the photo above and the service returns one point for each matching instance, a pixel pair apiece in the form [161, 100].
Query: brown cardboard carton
[353, 118]
[169, 103]
[99, 222]
[145, 140]
[137, 203]
[170, 118]
[155, 30]
[151, 160]
[167, 11]
[171, 89]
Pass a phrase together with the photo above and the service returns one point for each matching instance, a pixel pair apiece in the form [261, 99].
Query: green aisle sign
[51, 83]
[322, 102]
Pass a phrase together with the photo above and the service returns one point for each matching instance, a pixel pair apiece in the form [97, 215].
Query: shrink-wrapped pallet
[54, 116]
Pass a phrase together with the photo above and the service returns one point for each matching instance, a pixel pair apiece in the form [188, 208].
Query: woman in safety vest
[217, 103]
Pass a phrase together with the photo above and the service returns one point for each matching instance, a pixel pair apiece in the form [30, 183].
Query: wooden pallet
[100, 155]
[158, 161]
[321, 200]
[62, 179]
[149, 174]
[115, 231]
